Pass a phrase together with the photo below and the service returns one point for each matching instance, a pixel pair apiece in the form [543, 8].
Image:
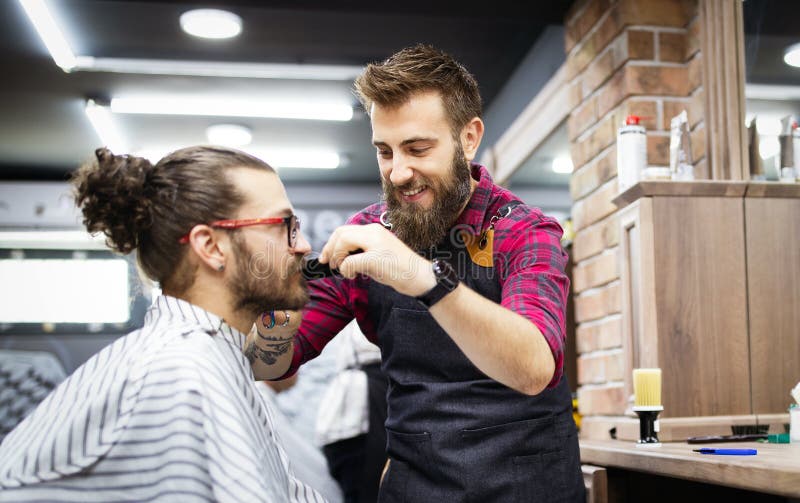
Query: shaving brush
[647, 404]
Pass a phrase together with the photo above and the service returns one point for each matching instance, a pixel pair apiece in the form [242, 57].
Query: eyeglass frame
[292, 226]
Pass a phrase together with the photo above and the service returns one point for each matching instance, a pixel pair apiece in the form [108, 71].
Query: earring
[221, 267]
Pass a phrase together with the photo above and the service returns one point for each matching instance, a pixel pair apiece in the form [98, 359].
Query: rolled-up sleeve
[531, 261]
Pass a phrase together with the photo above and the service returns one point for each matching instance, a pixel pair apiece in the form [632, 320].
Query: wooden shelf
[700, 188]
[773, 189]
[775, 469]
[706, 188]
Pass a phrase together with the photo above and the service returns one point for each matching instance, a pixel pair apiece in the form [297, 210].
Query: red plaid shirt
[527, 255]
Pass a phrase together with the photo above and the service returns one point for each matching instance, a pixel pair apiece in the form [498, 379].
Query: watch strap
[446, 281]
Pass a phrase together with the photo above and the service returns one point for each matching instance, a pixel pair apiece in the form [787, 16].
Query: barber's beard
[422, 228]
[255, 292]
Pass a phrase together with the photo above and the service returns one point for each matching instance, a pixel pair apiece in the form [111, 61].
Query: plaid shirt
[527, 255]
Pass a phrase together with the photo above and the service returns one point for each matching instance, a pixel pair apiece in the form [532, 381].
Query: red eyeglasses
[292, 226]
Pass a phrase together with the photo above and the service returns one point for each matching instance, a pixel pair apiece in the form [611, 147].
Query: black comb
[312, 268]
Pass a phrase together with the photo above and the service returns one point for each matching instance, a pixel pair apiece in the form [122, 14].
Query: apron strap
[502, 212]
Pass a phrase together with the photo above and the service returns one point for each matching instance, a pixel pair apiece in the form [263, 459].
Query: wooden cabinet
[710, 279]
[772, 223]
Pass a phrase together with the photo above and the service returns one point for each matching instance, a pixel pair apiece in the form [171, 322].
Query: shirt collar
[178, 309]
[474, 213]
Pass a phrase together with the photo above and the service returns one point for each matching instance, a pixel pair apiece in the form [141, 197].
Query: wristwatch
[446, 282]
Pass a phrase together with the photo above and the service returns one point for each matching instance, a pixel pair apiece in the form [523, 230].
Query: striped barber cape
[169, 412]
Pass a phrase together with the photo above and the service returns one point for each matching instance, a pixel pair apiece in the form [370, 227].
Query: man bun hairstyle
[147, 208]
[421, 68]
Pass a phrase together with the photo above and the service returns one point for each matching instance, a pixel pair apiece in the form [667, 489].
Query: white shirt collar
[172, 307]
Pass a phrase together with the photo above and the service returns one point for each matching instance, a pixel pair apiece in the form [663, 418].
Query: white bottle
[796, 148]
[631, 152]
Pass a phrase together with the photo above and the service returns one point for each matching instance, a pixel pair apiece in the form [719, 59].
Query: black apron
[454, 434]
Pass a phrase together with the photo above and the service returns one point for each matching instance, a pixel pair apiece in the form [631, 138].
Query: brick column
[623, 57]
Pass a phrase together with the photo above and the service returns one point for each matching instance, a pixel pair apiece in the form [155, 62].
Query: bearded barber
[463, 288]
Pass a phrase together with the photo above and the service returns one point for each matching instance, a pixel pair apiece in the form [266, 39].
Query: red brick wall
[623, 57]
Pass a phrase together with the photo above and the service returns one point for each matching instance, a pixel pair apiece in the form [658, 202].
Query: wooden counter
[774, 470]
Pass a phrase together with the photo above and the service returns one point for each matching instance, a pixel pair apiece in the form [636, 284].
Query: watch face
[445, 274]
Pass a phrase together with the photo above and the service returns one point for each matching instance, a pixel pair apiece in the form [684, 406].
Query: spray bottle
[631, 152]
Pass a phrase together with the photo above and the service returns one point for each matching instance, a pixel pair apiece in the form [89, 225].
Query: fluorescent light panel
[103, 123]
[50, 33]
[230, 135]
[771, 92]
[231, 108]
[217, 69]
[277, 158]
[105, 127]
[51, 240]
[62, 54]
[298, 158]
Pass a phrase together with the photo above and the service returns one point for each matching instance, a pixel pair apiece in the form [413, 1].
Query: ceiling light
[562, 164]
[229, 135]
[104, 126]
[218, 68]
[297, 158]
[771, 92]
[277, 158]
[791, 56]
[232, 108]
[49, 32]
[211, 23]
[60, 51]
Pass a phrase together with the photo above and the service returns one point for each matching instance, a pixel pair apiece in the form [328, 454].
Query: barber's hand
[383, 258]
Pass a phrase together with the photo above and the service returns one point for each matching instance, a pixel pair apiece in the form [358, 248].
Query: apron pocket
[411, 472]
[393, 487]
[411, 447]
[551, 477]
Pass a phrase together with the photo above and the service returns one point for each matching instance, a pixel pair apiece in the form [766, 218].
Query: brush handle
[728, 452]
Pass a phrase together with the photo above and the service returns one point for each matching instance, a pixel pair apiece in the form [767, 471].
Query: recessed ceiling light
[562, 164]
[791, 56]
[211, 23]
[229, 135]
[105, 127]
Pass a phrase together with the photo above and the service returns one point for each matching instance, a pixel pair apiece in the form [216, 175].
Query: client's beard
[256, 293]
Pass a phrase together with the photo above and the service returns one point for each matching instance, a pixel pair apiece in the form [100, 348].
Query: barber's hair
[145, 207]
[421, 68]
